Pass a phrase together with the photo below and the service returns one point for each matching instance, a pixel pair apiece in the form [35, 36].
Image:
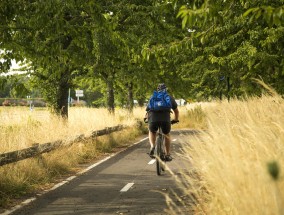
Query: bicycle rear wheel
[158, 155]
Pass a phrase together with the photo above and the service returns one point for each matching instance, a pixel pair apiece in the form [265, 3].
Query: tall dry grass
[230, 161]
[20, 127]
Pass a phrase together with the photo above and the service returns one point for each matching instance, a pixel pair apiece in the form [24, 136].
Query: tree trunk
[110, 96]
[130, 103]
[62, 95]
[108, 77]
[64, 82]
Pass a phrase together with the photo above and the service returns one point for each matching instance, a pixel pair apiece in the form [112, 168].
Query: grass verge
[235, 164]
[30, 176]
[34, 175]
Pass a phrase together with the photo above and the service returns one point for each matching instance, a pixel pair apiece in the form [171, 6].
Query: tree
[144, 24]
[119, 63]
[225, 48]
[230, 43]
[55, 37]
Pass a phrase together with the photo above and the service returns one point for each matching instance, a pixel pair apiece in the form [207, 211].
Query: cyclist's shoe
[163, 157]
[151, 153]
[168, 158]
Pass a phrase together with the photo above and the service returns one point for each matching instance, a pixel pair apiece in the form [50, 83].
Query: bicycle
[160, 150]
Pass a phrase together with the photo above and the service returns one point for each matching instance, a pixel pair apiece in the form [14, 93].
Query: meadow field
[237, 162]
[21, 127]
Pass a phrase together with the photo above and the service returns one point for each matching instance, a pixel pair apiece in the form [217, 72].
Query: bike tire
[162, 156]
[158, 151]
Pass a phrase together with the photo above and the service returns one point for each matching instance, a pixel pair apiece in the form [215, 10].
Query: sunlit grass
[234, 161]
[20, 127]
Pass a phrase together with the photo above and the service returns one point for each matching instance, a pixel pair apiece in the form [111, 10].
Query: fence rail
[37, 149]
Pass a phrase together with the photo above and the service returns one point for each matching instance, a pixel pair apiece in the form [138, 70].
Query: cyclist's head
[161, 87]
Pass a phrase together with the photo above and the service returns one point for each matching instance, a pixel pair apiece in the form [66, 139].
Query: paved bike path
[126, 183]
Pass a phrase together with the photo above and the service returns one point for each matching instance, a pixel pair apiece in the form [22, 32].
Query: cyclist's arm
[146, 117]
[176, 113]
[175, 109]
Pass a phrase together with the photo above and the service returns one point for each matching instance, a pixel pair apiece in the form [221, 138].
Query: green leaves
[242, 40]
[273, 170]
[272, 15]
[193, 17]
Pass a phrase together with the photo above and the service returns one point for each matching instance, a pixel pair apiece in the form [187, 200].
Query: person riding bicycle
[161, 119]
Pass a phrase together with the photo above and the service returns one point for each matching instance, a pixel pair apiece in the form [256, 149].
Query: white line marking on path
[152, 161]
[126, 187]
[174, 140]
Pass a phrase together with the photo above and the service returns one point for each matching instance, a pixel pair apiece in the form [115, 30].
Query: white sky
[14, 66]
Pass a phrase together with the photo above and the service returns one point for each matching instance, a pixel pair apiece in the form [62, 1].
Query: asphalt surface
[126, 183]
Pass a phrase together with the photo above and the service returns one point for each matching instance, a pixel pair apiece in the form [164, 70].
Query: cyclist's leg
[152, 138]
[168, 143]
[153, 127]
[166, 128]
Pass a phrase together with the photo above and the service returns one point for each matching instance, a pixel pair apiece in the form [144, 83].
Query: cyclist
[161, 119]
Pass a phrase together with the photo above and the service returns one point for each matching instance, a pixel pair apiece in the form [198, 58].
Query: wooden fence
[37, 149]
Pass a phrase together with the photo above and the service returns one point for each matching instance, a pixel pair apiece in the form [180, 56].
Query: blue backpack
[160, 101]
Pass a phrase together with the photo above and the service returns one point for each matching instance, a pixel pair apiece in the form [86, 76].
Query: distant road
[126, 183]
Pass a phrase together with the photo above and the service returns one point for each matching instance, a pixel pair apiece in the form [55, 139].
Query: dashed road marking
[126, 187]
[152, 161]
[174, 140]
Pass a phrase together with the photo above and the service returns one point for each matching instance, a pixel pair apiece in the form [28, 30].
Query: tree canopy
[233, 41]
[201, 49]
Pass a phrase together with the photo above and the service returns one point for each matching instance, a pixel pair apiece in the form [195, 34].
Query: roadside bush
[22, 102]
